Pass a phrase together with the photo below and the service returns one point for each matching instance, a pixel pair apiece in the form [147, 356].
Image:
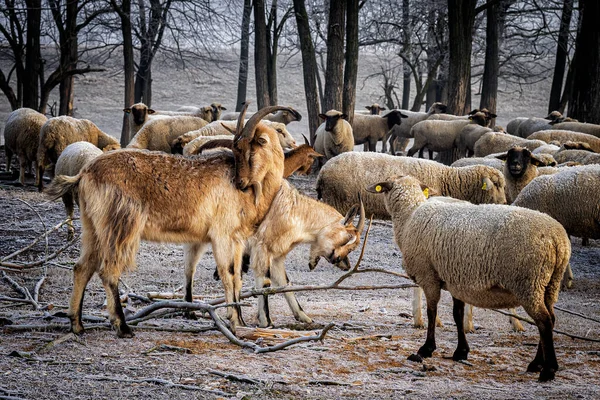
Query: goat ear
[381, 187]
[127, 110]
[322, 116]
[502, 156]
[230, 130]
[350, 215]
[151, 111]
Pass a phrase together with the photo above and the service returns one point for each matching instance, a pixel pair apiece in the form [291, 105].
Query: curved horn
[361, 221]
[250, 127]
[240, 122]
[305, 140]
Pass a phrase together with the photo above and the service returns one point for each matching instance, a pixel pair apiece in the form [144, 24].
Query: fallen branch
[236, 378]
[14, 267]
[35, 241]
[576, 313]
[157, 381]
[22, 290]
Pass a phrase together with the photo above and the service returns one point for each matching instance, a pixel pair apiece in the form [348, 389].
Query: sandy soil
[98, 364]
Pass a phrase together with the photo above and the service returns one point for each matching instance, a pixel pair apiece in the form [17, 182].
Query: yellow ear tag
[484, 187]
[426, 192]
[378, 188]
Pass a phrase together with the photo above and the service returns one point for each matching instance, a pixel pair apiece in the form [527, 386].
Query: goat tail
[62, 184]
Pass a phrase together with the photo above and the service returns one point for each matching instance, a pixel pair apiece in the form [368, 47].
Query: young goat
[128, 196]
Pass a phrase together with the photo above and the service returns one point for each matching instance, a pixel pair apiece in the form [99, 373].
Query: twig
[16, 253]
[157, 381]
[41, 220]
[236, 378]
[15, 300]
[8, 266]
[37, 287]
[21, 289]
[575, 313]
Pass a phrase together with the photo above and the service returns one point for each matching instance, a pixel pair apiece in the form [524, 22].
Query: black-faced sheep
[373, 128]
[401, 133]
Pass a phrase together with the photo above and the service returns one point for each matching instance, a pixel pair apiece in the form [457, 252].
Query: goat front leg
[229, 267]
[280, 278]
[191, 255]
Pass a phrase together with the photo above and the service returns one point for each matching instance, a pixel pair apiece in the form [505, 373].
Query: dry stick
[157, 381]
[16, 253]
[575, 313]
[7, 266]
[555, 330]
[21, 289]
[236, 378]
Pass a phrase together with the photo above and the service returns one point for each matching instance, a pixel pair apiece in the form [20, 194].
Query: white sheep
[401, 133]
[138, 114]
[206, 113]
[159, 134]
[590, 129]
[282, 116]
[370, 129]
[71, 161]
[343, 177]
[495, 142]
[22, 137]
[467, 137]
[517, 257]
[59, 132]
[334, 136]
[583, 157]
[217, 108]
[535, 124]
[564, 136]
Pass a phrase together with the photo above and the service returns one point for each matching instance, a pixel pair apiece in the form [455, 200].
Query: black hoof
[415, 358]
[546, 375]
[460, 354]
[190, 315]
[534, 366]
[426, 352]
[124, 332]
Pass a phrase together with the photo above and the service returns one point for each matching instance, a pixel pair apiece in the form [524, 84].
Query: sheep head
[338, 240]
[518, 160]
[332, 117]
[438, 108]
[139, 112]
[375, 109]
[394, 118]
[216, 111]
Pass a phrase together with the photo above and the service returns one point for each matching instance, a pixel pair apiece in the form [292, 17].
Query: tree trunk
[586, 72]
[260, 55]
[271, 42]
[68, 56]
[8, 92]
[33, 64]
[406, 71]
[124, 12]
[351, 59]
[244, 51]
[489, 91]
[334, 75]
[309, 68]
[562, 50]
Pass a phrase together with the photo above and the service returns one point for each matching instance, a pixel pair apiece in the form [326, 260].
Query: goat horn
[362, 250]
[305, 140]
[361, 221]
[240, 122]
[250, 127]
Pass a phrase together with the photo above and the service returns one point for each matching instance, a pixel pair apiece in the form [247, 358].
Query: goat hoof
[415, 358]
[534, 366]
[546, 375]
[124, 332]
[460, 354]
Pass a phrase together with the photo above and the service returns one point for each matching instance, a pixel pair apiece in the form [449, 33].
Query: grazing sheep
[563, 136]
[282, 116]
[334, 136]
[518, 257]
[343, 177]
[172, 199]
[71, 161]
[535, 124]
[590, 129]
[495, 142]
[22, 137]
[440, 136]
[373, 128]
[583, 157]
[401, 133]
[159, 134]
[567, 196]
[59, 132]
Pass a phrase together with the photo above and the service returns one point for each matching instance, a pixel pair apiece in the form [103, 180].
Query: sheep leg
[462, 349]
[567, 280]
[280, 278]
[430, 154]
[417, 313]
[516, 324]
[366, 146]
[432, 296]
[372, 144]
[23, 167]
[39, 182]
[402, 144]
[468, 320]
[413, 150]
[9, 155]
[67, 199]
[392, 142]
[545, 359]
[191, 254]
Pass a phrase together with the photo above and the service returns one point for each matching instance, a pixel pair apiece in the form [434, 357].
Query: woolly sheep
[217, 108]
[196, 145]
[138, 115]
[490, 162]
[284, 117]
[375, 109]
[494, 142]
[583, 157]
[343, 177]
[442, 249]
[401, 133]
[467, 137]
[334, 136]
[373, 128]
[159, 134]
[72, 160]
[440, 136]
[535, 124]
[205, 113]
[591, 129]
[564, 136]
[513, 125]
[59, 132]
[22, 137]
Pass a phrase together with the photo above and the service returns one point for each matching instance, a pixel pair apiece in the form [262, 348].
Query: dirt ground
[363, 356]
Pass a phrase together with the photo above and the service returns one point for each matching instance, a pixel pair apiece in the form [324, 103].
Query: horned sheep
[343, 177]
[22, 137]
[441, 249]
[59, 132]
[117, 211]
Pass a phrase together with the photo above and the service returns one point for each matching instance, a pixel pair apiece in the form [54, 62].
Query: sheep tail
[61, 185]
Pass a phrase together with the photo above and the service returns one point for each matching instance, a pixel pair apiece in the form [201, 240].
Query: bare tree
[244, 51]
[274, 30]
[562, 51]
[260, 55]
[351, 59]
[334, 74]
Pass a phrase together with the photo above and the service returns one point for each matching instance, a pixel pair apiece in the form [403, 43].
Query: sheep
[22, 137]
[343, 177]
[590, 129]
[172, 199]
[513, 125]
[223, 128]
[205, 113]
[442, 249]
[494, 142]
[567, 196]
[373, 128]
[216, 110]
[564, 136]
[439, 135]
[582, 157]
[490, 162]
[138, 115]
[72, 160]
[334, 136]
[467, 137]
[375, 109]
[520, 168]
[159, 134]
[535, 124]
[59, 132]
[401, 133]
[282, 116]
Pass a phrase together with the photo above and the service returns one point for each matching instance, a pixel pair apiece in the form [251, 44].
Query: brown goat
[128, 196]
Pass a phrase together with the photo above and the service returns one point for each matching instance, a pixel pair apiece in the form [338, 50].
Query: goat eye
[262, 141]
[280, 131]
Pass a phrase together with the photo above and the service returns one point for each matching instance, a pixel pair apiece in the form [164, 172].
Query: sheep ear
[230, 130]
[151, 111]
[492, 116]
[368, 108]
[223, 108]
[427, 191]
[536, 161]
[381, 187]
[502, 156]
[487, 184]
[382, 108]
[322, 116]
[344, 116]
[127, 110]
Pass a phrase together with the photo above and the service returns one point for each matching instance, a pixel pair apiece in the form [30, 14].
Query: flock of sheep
[124, 196]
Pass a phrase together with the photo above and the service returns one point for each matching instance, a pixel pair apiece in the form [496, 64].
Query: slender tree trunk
[334, 75]
[309, 68]
[271, 42]
[489, 91]
[244, 51]
[586, 80]
[124, 12]
[32, 55]
[260, 55]
[8, 92]
[406, 72]
[562, 50]
[351, 60]
[69, 56]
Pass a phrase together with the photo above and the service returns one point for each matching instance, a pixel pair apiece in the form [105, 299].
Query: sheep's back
[22, 132]
[563, 136]
[74, 157]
